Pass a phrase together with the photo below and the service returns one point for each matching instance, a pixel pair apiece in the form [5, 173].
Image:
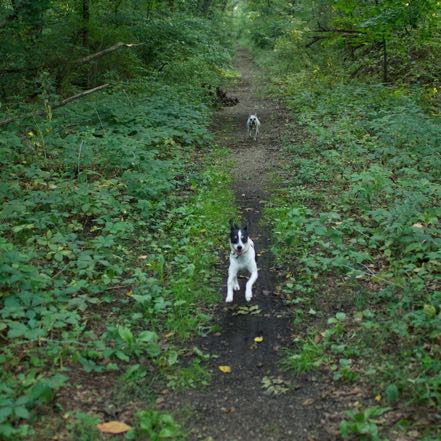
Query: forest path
[237, 406]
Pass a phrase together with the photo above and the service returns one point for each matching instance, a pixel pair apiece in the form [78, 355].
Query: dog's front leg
[250, 283]
[231, 284]
[236, 286]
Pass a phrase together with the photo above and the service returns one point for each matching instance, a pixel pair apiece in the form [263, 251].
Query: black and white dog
[242, 257]
[253, 125]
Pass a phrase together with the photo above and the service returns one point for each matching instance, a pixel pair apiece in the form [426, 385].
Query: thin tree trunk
[205, 6]
[385, 62]
[116, 7]
[86, 21]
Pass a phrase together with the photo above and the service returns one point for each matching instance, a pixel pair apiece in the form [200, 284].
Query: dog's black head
[238, 238]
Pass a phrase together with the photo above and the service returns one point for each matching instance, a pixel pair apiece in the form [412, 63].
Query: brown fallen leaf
[113, 427]
[308, 402]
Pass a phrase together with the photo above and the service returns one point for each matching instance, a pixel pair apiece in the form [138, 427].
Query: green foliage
[53, 37]
[108, 204]
[363, 423]
[155, 426]
[377, 230]
[391, 40]
[357, 222]
[267, 23]
[310, 357]
[19, 396]
[82, 426]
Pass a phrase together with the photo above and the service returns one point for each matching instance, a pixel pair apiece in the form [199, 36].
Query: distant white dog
[242, 257]
[253, 125]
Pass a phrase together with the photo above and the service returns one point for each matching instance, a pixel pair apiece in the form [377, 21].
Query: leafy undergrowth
[357, 227]
[107, 254]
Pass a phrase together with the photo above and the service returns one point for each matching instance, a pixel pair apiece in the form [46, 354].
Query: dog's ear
[233, 225]
[245, 227]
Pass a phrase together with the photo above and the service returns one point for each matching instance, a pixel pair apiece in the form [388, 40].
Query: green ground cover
[356, 222]
[107, 256]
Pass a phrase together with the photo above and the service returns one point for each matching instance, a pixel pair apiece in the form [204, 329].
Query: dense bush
[45, 44]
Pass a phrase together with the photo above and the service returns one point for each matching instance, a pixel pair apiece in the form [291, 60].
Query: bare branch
[105, 52]
[315, 40]
[339, 31]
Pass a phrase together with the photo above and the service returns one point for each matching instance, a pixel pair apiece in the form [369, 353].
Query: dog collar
[235, 255]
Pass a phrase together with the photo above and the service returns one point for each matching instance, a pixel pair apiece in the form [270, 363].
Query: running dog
[242, 257]
[253, 125]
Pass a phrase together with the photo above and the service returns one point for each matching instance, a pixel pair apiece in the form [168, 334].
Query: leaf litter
[248, 310]
[275, 385]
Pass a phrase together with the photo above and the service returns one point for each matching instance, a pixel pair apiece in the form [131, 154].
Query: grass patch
[308, 358]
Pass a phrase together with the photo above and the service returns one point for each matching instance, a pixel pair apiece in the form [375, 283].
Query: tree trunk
[205, 6]
[116, 6]
[86, 19]
[385, 62]
[172, 5]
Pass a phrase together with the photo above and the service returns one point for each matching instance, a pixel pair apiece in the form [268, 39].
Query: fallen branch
[315, 40]
[339, 31]
[105, 52]
[55, 106]
[79, 95]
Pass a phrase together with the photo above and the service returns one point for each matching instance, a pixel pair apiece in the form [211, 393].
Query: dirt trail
[235, 406]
